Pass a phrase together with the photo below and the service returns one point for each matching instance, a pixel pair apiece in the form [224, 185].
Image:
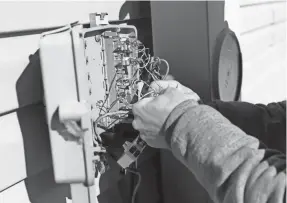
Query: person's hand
[169, 77]
[151, 113]
[164, 84]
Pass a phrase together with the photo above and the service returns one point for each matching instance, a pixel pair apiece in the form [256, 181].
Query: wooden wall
[26, 173]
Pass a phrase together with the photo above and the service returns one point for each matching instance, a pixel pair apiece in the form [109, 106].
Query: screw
[87, 60]
[98, 38]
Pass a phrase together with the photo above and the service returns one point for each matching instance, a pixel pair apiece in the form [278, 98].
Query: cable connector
[132, 152]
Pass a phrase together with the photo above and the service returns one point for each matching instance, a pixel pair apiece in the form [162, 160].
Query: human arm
[224, 159]
[265, 122]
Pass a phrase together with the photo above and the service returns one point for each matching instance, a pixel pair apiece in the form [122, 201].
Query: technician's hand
[151, 113]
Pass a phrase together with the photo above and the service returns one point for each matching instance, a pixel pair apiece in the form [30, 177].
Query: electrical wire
[143, 64]
[115, 121]
[96, 131]
[106, 99]
[112, 105]
[167, 68]
[147, 94]
[144, 61]
[137, 185]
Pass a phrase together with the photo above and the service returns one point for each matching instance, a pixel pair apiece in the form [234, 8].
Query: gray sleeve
[227, 162]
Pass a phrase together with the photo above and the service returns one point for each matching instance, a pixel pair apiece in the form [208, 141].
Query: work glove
[151, 113]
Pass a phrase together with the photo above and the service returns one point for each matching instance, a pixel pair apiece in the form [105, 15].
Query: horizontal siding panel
[39, 188]
[257, 2]
[12, 153]
[258, 16]
[17, 193]
[254, 43]
[264, 77]
[25, 15]
[14, 60]
[24, 146]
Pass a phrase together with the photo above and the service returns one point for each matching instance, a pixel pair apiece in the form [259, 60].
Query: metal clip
[97, 19]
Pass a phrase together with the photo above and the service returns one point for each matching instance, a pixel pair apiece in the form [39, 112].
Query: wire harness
[134, 70]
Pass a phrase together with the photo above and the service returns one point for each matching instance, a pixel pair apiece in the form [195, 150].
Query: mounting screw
[98, 38]
[102, 15]
[97, 19]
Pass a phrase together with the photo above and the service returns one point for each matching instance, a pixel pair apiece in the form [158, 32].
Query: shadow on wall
[40, 184]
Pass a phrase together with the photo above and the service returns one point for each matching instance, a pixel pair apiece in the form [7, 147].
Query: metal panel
[184, 34]
[182, 39]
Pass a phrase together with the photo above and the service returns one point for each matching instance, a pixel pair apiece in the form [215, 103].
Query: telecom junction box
[92, 74]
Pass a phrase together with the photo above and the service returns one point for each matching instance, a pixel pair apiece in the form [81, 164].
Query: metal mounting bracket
[97, 19]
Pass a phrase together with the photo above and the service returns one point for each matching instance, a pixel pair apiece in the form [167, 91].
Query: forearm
[265, 122]
[223, 158]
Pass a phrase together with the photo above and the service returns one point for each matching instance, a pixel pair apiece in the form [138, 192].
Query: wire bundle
[147, 69]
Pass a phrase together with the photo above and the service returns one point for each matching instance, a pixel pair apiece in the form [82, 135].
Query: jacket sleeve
[265, 122]
[225, 160]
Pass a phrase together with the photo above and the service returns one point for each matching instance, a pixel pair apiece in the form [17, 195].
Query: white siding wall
[261, 27]
[26, 171]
